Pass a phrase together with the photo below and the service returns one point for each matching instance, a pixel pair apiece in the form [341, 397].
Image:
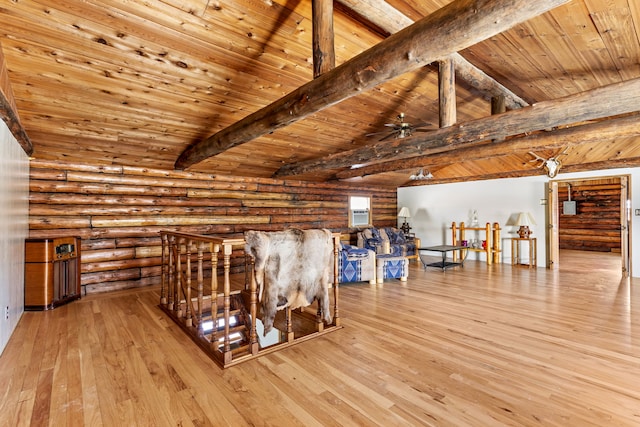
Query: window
[360, 211]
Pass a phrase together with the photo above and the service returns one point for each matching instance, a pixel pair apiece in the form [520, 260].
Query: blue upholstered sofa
[356, 264]
[389, 241]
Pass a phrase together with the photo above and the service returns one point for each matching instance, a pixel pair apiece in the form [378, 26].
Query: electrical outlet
[6, 313]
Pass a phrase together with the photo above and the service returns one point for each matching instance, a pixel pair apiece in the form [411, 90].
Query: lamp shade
[404, 212]
[525, 218]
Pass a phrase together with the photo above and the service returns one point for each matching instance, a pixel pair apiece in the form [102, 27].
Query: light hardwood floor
[474, 346]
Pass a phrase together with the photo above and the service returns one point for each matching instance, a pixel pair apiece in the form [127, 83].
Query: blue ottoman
[392, 267]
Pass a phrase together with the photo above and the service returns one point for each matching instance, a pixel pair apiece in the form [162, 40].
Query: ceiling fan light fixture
[401, 129]
[420, 176]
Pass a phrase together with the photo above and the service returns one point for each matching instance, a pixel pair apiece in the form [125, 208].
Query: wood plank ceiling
[138, 82]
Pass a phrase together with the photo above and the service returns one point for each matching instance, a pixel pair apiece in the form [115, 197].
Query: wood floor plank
[12, 395]
[479, 345]
[85, 331]
[42, 404]
[74, 406]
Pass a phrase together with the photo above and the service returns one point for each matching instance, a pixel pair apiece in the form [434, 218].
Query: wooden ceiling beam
[9, 111]
[324, 56]
[448, 112]
[607, 101]
[452, 28]
[388, 18]
[619, 127]
[8, 115]
[632, 162]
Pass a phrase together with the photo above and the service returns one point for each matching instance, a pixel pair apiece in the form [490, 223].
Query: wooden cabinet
[52, 272]
[490, 234]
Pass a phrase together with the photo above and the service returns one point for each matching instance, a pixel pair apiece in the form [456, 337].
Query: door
[553, 239]
[625, 223]
[553, 221]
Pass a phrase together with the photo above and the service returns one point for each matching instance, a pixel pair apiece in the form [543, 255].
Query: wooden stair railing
[221, 317]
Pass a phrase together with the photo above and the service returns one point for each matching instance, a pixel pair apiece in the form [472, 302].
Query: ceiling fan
[401, 129]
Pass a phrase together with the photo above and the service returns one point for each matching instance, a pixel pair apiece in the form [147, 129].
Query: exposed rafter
[447, 93]
[620, 127]
[388, 18]
[8, 110]
[8, 115]
[588, 166]
[324, 57]
[612, 100]
[448, 30]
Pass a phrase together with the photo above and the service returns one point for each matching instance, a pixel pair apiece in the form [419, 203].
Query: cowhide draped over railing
[218, 310]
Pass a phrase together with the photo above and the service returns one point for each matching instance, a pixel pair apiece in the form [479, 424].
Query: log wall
[596, 225]
[118, 212]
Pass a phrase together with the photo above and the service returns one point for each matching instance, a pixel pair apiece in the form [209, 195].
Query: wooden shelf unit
[491, 235]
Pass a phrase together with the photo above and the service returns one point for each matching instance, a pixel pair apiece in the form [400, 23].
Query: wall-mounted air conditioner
[360, 217]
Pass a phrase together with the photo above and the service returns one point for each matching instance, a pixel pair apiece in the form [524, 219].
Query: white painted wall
[14, 228]
[435, 207]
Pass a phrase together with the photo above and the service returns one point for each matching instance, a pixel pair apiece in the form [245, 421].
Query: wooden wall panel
[596, 225]
[118, 211]
[5, 85]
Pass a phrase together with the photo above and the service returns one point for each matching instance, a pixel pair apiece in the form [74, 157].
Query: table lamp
[524, 221]
[405, 213]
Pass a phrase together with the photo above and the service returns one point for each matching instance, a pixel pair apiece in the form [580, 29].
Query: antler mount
[552, 165]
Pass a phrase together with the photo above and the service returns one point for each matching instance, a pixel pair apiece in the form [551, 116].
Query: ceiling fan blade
[402, 129]
[377, 133]
[388, 136]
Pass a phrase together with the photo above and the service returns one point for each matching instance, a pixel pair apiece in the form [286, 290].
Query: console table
[443, 249]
